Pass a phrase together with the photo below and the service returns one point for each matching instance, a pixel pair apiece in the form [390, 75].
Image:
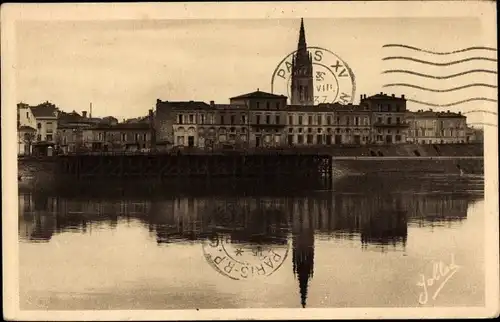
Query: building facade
[46, 122]
[388, 123]
[430, 127]
[121, 137]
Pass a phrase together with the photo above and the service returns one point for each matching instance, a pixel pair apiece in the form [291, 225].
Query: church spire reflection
[303, 251]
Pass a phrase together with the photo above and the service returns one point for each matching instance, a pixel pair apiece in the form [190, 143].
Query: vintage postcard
[276, 160]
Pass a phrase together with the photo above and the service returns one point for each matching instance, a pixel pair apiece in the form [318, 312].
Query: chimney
[212, 103]
[403, 96]
[448, 111]
[381, 93]
[84, 114]
[393, 95]
[360, 97]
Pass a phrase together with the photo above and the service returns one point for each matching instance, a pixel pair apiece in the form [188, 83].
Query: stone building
[42, 118]
[117, 138]
[351, 124]
[71, 128]
[259, 119]
[387, 118]
[310, 125]
[430, 127]
[266, 118]
[46, 122]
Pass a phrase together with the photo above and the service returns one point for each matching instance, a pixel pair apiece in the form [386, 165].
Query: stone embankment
[409, 158]
[39, 173]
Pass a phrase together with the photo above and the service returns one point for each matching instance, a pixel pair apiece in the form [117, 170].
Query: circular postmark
[243, 261]
[333, 79]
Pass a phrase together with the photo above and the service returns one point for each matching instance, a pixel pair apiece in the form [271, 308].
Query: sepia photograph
[272, 160]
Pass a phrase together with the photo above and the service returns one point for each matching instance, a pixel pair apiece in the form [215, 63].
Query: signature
[441, 273]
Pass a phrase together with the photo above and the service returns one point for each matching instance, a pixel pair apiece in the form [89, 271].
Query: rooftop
[384, 96]
[44, 110]
[433, 114]
[26, 128]
[258, 94]
[192, 105]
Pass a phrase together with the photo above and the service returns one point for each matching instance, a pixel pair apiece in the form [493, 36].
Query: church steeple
[302, 45]
[302, 90]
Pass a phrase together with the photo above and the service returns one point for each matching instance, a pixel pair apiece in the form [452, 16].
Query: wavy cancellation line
[439, 64]
[443, 52]
[480, 111]
[439, 90]
[482, 123]
[404, 71]
[454, 103]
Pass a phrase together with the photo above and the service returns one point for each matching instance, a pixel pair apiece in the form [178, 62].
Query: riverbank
[450, 159]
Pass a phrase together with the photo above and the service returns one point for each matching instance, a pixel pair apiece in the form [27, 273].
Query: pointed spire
[302, 36]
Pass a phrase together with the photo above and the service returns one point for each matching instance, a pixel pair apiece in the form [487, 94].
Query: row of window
[48, 137]
[290, 130]
[389, 108]
[275, 119]
[388, 138]
[388, 120]
[123, 136]
[433, 133]
[433, 124]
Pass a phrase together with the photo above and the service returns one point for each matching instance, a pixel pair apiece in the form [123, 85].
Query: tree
[28, 139]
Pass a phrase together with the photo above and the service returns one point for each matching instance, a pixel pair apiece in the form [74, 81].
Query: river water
[368, 242]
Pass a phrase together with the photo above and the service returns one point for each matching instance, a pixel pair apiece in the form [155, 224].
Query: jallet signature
[440, 273]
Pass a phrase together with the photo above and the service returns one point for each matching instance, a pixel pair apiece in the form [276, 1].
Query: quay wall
[408, 150]
[408, 166]
[40, 173]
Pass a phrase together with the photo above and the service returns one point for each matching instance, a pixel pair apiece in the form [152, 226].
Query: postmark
[333, 79]
[240, 261]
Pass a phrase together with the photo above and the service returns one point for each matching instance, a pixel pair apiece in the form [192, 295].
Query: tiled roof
[258, 94]
[384, 96]
[26, 128]
[69, 117]
[44, 110]
[192, 105]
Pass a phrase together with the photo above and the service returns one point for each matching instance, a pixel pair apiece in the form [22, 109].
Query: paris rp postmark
[241, 261]
[333, 79]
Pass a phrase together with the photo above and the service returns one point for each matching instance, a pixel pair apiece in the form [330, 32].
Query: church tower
[302, 87]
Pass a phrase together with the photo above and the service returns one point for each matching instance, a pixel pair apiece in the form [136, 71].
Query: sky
[124, 66]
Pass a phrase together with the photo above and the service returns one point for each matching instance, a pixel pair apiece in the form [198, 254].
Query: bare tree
[28, 139]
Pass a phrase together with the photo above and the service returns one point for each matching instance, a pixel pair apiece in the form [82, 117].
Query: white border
[10, 13]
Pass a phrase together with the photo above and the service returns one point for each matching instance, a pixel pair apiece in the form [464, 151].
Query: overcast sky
[122, 67]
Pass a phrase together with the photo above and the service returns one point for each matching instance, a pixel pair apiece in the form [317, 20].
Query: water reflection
[375, 217]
